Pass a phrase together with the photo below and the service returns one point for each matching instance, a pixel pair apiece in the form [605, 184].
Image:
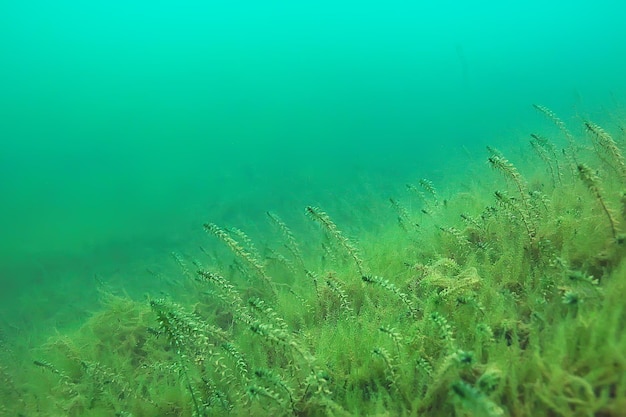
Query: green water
[121, 121]
[124, 126]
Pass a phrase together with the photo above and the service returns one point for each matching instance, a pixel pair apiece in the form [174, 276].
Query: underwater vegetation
[503, 299]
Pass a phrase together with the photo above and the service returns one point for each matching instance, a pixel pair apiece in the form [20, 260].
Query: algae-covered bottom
[499, 297]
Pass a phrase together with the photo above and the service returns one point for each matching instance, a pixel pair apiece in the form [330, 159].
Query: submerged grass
[502, 300]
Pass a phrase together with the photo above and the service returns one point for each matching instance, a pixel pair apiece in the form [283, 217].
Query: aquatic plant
[506, 300]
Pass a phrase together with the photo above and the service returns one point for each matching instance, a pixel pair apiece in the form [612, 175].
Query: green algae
[502, 299]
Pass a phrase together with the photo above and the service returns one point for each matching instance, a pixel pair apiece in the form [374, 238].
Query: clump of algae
[504, 300]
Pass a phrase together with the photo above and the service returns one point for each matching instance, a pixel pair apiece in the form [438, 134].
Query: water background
[125, 125]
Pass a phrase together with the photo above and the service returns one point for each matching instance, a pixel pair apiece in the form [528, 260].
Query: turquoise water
[125, 126]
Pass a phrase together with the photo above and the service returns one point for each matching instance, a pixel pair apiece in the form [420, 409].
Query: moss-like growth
[507, 300]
